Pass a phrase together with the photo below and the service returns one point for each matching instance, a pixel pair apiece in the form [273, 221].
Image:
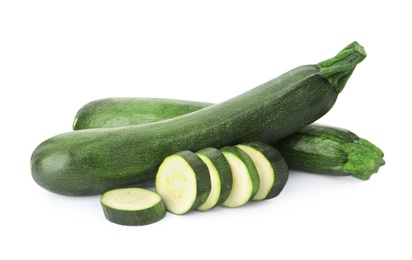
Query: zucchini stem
[364, 159]
[339, 68]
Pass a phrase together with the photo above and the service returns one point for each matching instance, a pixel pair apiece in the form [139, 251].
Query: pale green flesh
[176, 184]
[242, 185]
[214, 194]
[265, 171]
[130, 199]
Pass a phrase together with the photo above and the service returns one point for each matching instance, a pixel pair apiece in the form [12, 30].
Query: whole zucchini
[93, 161]
[114, 112]
[331, 150]
[308, 149]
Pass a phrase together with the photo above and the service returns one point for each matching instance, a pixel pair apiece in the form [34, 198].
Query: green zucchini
[132, 206]
[245, 178]
[271, 167]
[114, 112]
[331, 150]
[126, 111]
[294, 158]
[220, 177]
[183, 181]
[93, 161]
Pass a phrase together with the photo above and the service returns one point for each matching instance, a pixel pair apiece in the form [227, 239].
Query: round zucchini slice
[245, 179]
[132, 206]
[271, 167]
[183, 181]
[220, 177]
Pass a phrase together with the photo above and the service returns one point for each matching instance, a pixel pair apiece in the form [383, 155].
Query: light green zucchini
[271, 167]
[183, 181]
[132, 206]
[220, 177]
[245, 178]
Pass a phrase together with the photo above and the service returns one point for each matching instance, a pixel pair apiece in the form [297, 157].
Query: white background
[56, 56]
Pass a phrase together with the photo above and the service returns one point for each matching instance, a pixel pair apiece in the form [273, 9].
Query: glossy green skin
[114, 112]
[280, 168]
[328, 163]
[92, 161]
[331, 150]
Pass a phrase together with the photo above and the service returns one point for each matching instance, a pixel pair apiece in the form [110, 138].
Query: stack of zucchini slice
[202, 180]
[231, 177]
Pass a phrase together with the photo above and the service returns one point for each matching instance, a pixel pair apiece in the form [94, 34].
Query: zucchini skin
[332, 151]
[132, 218]
[116, 111]
[92, 161]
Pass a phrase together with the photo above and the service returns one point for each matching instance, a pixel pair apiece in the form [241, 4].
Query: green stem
[364, 159]
[339, 68]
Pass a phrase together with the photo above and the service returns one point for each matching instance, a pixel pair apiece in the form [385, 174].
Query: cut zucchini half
[220, 177]
[245, 179]
[271, 167]
[132, 206]
[183, 181]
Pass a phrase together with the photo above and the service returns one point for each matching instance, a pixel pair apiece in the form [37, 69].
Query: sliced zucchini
[132, 206]
[271, 167]
[183, 181]
[245, 179]
[220, 177]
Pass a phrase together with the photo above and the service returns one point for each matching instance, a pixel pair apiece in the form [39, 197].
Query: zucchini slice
[271, 167]
[183, 181]
[132, 206]
[245, 179]
[220, 177]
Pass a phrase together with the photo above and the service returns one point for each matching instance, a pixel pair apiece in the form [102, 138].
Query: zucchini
[271, 167]
[93, 161]
[132, 206]
[143, 116]
[245, 178]
[220, 177]
[183, 181]
[331, 150]
[114, 112]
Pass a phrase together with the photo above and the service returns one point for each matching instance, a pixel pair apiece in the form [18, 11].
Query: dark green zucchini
[331, 150]
[93, 161]
[114, 112]
[294, 158]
